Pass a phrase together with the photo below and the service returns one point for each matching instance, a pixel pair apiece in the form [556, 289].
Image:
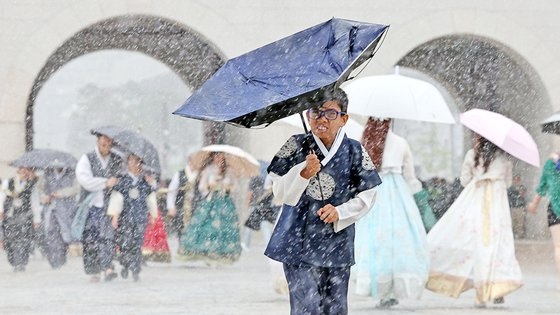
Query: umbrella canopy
[352, 128]
[503, 132]
[551, 124]
[282, 78]
[45, 158]
[109, 131]
[238, 161]
[399, 97]
[133, 142]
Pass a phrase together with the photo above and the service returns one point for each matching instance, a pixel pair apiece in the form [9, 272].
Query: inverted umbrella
[352, 128]
[503, 132]
[238, 161]
[397, 96]
[284, 77]
[552, 124]
[45, 158]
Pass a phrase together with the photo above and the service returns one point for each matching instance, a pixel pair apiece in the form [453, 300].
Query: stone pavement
[243, 288]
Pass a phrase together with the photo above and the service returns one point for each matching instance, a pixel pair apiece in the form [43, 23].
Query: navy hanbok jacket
[300, 237]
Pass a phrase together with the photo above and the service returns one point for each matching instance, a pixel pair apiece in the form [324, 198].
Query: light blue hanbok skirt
[392, 259]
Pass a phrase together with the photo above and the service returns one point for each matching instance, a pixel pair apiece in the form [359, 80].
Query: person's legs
[334, 290]
[267, 231]
[246, 241]
[304, 290]
[518, 222]
[555, 233]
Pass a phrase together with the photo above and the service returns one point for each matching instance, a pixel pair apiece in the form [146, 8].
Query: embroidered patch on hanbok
[288, 149]
[327, 187]
[134, 193]
[367, 163]
[17, 202]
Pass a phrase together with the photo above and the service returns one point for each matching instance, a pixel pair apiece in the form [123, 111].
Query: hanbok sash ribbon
[486, 202]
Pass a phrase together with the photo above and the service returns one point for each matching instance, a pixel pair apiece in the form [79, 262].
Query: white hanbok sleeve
[173, 189]
[85, 176]
[151, 200]
[354, 209]
[116, 203]
[290, 187]
[408, 171]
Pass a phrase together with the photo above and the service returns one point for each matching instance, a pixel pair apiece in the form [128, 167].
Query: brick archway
[183, 50]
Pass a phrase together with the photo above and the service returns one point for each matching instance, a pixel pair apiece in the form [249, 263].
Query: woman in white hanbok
[472, 245]
[392, 259]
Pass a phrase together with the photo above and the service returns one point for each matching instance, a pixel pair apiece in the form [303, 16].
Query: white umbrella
[397, 96]
[238, 161]
[352, 128]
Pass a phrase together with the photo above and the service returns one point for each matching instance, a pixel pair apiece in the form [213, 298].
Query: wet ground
[243, 288]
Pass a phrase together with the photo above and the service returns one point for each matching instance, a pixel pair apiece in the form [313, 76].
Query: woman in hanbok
[472, 245]
[549, 184]
[212, 234]
[58, 188]
[156, 247]
[391, 250]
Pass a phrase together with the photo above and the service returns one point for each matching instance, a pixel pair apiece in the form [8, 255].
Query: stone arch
[479, 72]
[182, 49]
[482, 73]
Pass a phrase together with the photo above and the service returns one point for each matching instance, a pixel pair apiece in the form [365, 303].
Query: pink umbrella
[503, 132]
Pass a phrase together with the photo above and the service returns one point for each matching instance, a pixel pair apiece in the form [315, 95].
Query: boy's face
[134, 164]
[324, 128]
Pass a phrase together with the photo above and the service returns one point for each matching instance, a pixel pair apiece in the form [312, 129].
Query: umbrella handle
[309, 143]
[303, 122]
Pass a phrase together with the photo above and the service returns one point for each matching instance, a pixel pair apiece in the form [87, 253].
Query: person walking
[58, 188]
[549, 184]
[391, 250]
[213, 233]
[20, 215]
[472, 245]
[517, 196]
[182, 197]
[326, 182]
[97, 173]
[132, 199]
[262, 209]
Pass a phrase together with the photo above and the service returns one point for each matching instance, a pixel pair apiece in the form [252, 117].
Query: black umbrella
[552, 124]
[45, 158]
[286, 76]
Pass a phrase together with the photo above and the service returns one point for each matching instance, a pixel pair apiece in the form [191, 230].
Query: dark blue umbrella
[286, 76]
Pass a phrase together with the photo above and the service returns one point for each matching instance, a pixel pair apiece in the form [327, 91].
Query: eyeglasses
[330, 114]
